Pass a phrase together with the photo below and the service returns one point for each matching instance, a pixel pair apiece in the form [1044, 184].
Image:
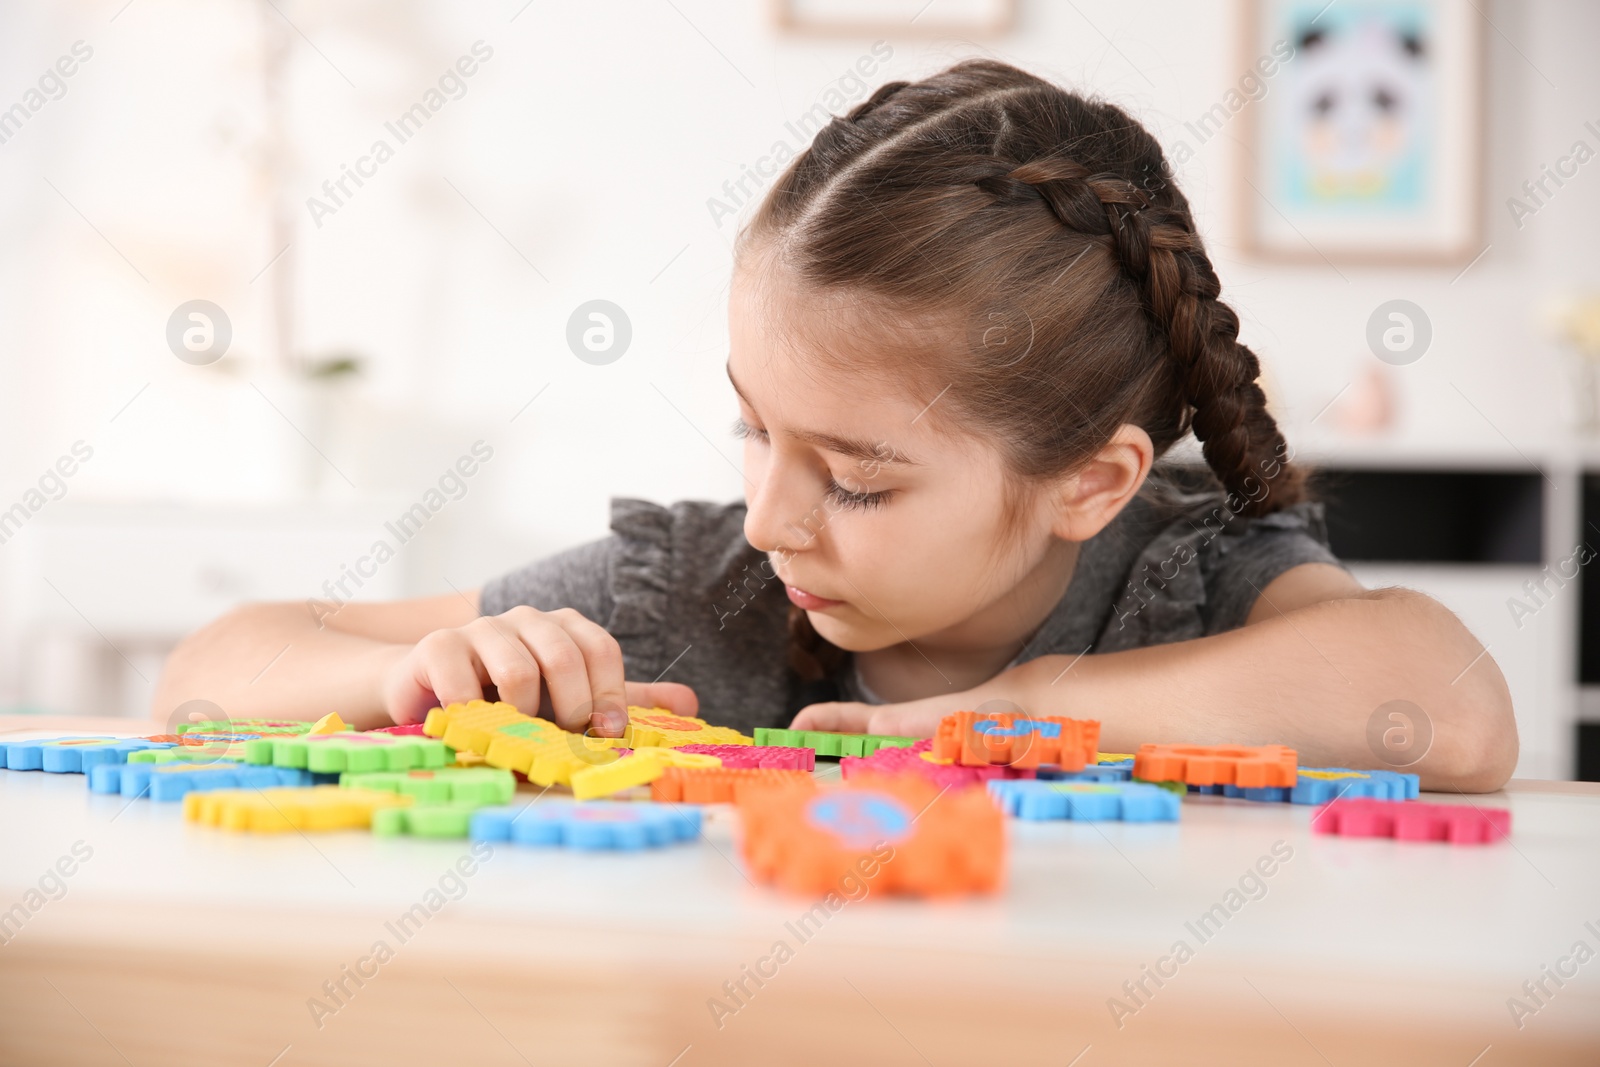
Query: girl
[965, 324]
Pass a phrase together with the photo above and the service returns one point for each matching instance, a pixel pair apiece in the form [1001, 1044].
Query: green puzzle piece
[469, 786]
[333, 753]
[221, 752]
[829, 744]
[287, 727]
[424, 820]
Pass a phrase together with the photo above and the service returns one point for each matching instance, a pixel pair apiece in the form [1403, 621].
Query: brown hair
[1048, 224]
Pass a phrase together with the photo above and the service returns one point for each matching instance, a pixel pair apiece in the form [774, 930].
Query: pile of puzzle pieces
[920, 816]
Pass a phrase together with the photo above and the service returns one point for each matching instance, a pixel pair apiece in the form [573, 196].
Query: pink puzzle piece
[1410, 820]
[916, 760]
[774, 757]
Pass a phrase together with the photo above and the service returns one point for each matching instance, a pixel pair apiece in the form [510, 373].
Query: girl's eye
[744, 431]
[845, 498]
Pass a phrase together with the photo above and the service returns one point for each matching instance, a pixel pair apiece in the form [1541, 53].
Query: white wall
[585, 151]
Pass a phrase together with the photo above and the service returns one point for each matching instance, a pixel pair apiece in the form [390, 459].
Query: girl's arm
[1313, 668]
[376, 664]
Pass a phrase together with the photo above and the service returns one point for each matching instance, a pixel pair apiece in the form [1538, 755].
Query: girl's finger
[674, 696]
[565, 672]
[834, 717]
[446, 665]
[602, 658]
[509, 663]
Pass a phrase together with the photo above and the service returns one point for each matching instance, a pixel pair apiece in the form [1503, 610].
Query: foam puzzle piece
[330, 753]
[919, 759]
[210, 752]
[470, 727]
[1246, 766]
[414, 729]
[662, 728]
[1319, 785]
[259, 727]
[1100, 772]
[824, 743]
[322, 807]
[722, 785]
[328, 724]
[548, 755]
[1114, 758]
[1085, 801]
[471, 786]
[174, 781]
[772, 757]
[884, 831]
[1410, 820]
[595, 825]
[546, 758]
[198, 740]
[977, 739]
[425, 820]
[71, 755]
[644, 766]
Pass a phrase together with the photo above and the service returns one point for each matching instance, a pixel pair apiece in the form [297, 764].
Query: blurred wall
[576, 162]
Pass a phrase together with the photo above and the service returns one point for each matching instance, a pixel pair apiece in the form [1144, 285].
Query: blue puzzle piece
[590, 825]
[29, 755]
[1034, 799]
[170, 781]
[71, 755]
[1311, 788]
[1105, 772]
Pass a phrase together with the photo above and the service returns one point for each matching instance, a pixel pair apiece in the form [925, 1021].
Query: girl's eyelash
[836, 492]
[744, 431]
[864, 501]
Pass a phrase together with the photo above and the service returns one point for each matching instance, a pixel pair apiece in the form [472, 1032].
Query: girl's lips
[809, 601]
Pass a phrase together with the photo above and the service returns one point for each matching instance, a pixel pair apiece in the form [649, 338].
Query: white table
[177, 944]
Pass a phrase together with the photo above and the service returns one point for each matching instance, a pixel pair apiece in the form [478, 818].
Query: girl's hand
[1025, 686]
[553, 662]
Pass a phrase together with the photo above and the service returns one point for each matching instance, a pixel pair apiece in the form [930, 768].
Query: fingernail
[608, 723]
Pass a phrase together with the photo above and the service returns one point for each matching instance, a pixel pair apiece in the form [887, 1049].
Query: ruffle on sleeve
[641, 584]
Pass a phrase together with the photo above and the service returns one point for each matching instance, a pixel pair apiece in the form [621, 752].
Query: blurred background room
[359, 299]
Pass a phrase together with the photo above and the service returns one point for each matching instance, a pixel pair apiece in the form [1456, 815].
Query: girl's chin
[850, 638]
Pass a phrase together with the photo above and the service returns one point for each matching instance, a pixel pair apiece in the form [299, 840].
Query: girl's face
[885, 526]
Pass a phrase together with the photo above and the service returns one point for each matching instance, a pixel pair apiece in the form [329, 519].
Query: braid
[1157, 248]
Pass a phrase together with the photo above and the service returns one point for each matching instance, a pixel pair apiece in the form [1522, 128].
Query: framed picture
[899, 18]
[1363, 134]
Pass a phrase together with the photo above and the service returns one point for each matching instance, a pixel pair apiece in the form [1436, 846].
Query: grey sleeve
[578, 578]
[660, 574]
[1244, 562]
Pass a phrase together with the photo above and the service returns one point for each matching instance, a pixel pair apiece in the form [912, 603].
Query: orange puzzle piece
[722, 785]
[1008, 739]
[1246, 766]
[879, 833]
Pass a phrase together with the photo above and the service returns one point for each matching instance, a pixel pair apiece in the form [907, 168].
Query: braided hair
[1045, 229]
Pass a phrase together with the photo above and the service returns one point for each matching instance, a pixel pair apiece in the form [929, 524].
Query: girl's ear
[1092, 496]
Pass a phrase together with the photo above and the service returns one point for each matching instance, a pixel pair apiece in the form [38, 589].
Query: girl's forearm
[1313, 679]
[273, 661]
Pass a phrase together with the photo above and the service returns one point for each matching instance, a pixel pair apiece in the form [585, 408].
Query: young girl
[965, 324]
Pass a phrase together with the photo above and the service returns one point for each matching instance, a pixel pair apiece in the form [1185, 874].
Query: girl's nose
[781, 516]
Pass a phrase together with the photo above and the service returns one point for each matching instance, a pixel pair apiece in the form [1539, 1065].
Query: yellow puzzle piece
[641, 768]
[319, 807]
[328, 724]
[659, 727]
[548, 755]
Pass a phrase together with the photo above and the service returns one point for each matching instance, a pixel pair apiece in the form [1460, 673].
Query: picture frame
[897, 18]
[1365, 143]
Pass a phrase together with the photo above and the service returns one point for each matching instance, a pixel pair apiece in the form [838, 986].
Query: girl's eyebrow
[883, 453]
